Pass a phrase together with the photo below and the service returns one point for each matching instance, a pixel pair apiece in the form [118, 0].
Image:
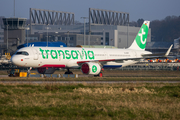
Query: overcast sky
[145, 9]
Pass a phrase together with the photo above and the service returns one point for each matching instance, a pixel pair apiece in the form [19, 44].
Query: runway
[110, 77]
[87, 82]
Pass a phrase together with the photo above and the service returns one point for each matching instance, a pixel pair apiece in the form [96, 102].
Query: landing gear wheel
[11, 75]
[99, 75]
[68, 72]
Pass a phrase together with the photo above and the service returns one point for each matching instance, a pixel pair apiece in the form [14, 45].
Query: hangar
[104, 27]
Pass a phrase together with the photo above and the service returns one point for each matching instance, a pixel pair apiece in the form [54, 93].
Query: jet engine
[91, 68]
[45, 70]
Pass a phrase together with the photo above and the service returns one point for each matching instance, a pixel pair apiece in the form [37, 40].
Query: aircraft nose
[14, 60]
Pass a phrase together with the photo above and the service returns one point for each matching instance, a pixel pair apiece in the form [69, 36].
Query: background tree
[165, 30]
[140, 22]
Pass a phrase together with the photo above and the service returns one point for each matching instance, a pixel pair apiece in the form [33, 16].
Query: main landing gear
[99, 75]
[68, 72]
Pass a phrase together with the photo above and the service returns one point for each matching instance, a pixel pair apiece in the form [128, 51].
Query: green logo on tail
[141, 38]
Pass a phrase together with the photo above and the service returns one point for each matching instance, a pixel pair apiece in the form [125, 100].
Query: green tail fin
[140, 41]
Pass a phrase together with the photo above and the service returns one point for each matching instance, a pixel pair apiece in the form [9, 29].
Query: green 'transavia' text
[67, 54]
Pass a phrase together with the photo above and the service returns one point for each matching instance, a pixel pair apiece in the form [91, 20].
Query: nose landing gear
[68, 72]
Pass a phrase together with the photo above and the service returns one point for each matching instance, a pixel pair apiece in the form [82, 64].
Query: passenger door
[35, 52]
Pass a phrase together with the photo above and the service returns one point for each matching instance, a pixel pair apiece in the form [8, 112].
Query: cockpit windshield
[22, 53]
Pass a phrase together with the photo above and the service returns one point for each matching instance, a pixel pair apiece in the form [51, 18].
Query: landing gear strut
[29, 71]
[68, 72]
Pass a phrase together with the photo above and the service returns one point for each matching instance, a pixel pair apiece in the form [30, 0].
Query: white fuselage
[67, 57]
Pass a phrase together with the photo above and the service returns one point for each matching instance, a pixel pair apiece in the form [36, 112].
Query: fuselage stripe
[112, 66]
[54, 65]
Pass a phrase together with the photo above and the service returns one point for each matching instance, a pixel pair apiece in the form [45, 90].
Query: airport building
[1, 35]
[104, 27]
[101, 27]
[1, 39]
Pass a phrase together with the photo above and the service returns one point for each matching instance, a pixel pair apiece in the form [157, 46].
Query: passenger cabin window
[22, 53]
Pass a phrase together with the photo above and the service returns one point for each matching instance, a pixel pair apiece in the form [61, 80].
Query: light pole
[89, 38]
[14, 8]
[47, 33]
[68, 38]
[7, 38]
[56, 36]
[104, 42]
[27, 28]
[127, 34]
[84, 28]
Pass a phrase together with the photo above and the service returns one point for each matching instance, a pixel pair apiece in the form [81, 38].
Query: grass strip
[95, 79]
[90, 101]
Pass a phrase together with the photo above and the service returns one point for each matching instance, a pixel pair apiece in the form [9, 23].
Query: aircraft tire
[68, 72]
[99, 75]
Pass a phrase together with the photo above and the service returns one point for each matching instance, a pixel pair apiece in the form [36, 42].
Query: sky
[137, 9]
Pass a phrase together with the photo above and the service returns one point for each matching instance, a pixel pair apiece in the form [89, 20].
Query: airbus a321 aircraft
[89, 60]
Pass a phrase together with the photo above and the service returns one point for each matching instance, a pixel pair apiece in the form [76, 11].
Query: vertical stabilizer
[140, 41]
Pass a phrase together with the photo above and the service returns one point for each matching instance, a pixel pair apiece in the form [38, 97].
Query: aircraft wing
[158, 55]
[145, 56]
[109, 60]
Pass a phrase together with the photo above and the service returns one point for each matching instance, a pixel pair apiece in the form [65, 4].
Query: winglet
[168, 51]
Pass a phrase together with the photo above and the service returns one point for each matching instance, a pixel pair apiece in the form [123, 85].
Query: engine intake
[91, 68]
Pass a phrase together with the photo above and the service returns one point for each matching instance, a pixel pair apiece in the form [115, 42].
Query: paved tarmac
[3, 76]
[88, 82]
[76, 82]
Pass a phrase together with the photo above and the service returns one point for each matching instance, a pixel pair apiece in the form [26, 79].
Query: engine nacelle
[45, 70]
[91, 68]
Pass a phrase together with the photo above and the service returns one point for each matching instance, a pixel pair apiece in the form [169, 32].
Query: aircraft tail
[139, 42]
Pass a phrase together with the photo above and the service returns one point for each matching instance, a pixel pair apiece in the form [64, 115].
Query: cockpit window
[22, 53]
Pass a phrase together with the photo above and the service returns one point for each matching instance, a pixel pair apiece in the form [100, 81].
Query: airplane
[90, 60]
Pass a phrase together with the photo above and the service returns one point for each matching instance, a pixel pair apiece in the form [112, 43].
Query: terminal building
[101, 27]
[104, 27]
